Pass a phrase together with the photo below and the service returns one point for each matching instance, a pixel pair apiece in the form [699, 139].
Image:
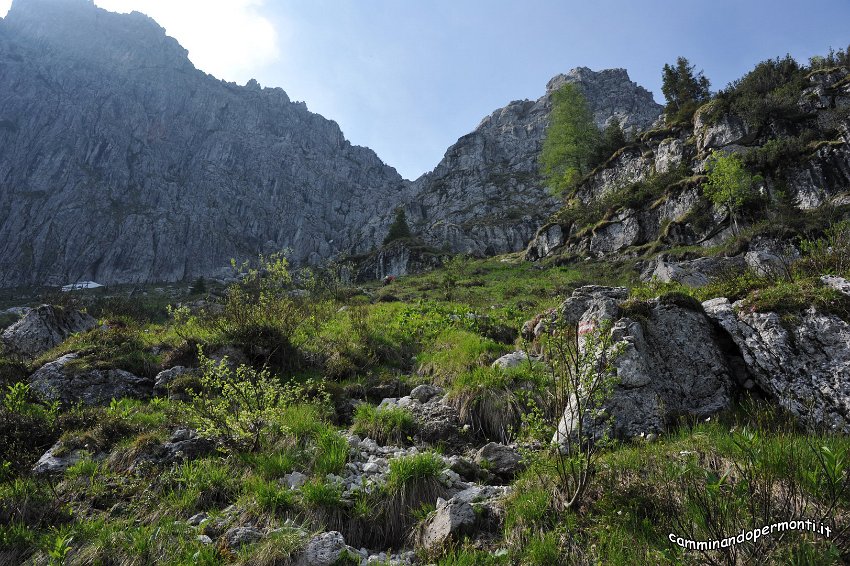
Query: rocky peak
[611, 93]
[486, 196]
[77, 29]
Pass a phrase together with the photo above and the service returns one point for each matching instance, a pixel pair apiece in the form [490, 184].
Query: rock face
[486, 195]
[44, 328]
[804, 365]
[451, 521]
[120, 162]
[59, 381]
[670, 363]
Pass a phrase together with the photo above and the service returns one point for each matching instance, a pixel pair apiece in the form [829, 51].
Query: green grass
[387, 425]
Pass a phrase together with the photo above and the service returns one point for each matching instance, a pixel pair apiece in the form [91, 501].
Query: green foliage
[245, 409]
[571, 140]
[683, 90]
[829, 255]
[201, 485]
[729, 184]
[386, 425]
[613, 138]
[27, 428]
[398, 229]
[770, 91]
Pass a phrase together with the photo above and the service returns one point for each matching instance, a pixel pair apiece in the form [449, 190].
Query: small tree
[729, 184]
[571, 140]
[683, 90]
[613, 138]
[582, 378]
[399, 228]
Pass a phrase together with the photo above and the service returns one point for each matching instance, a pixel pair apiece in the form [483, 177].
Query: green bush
[27, 428]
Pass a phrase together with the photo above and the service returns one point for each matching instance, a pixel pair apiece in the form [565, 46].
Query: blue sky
[407, 78]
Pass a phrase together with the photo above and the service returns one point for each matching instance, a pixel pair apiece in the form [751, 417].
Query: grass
[386, 425]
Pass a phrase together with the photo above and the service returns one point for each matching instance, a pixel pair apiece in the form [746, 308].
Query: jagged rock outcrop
[486, 195]
[61, 381]
[649, 194]
[120, 162]
[43, 328]
[803, 364]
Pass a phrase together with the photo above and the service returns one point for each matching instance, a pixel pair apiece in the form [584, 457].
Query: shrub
[27, 428]
[829, 255]
[240, 408]
[387, 425]
[729, 184]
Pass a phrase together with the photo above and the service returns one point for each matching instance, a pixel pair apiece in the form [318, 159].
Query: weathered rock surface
[804, 364]
[499, 459]
[325, 549]
[56, 460]
[240, 536]
[450, 522]
[44, 328]
[695, 272]
[120, 162]
[669, 362]
[60, 381]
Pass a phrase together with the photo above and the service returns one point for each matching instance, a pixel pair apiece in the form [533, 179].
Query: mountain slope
[120, 162]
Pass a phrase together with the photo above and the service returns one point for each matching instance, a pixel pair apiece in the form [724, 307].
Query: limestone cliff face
[120, 162]
[486, 195]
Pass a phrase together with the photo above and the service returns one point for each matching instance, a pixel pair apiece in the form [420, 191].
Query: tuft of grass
[332, 453]
[412, 482]
[387, 425]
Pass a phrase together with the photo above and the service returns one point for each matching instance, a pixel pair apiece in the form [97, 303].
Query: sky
[407, 78]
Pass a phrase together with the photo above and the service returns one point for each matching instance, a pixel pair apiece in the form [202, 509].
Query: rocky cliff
[120, 162]
[486, 196]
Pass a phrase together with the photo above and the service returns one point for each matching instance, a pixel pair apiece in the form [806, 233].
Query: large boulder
[450, 522]
[61, 381]
[325, 549]
[694, 272]
[498, 459]
[45, 327]
[669, 363]
[804, 363]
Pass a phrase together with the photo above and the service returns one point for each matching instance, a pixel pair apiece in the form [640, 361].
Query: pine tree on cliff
[399, 228]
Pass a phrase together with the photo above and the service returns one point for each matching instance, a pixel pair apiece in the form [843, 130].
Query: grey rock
[56, 381]
[695, 272]
[838, 283]
[512, 360]
[450, 522]
[324, 549]
[186, 444]
[668, 365]
[196, 519]
[164, 378]
[240, 536]
[499, 459]
[486, 196]
[768, 264]
[50, 463]
[426, 392]
[44, 328]
[295, 480]
[804, 365]
[669, 155]
[727, 130]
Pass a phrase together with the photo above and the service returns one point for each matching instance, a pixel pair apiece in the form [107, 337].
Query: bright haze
[408, 78]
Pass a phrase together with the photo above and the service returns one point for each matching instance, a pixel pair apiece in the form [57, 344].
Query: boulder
[426, 392]
[669, 363]
[512, 360]
[325, 549]
[240, 536]
[499, 459]
[804, 364]
[60, 381]
[693, 273]
[164, 378]
[45, 327]
[54, 461]
[451, 521]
